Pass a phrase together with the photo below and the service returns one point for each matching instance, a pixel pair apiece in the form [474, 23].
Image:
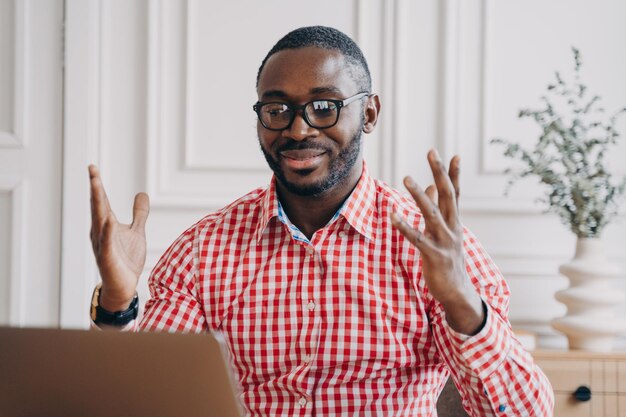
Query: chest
[322, 307]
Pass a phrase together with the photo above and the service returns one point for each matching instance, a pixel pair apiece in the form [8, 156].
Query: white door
[31, 128]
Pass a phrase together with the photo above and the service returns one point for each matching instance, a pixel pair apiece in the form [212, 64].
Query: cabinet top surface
[577, 354]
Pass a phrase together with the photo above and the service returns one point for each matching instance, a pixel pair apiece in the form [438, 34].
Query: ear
[372, 110]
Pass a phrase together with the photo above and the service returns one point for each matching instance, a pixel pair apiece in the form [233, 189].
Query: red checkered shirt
[342, 324]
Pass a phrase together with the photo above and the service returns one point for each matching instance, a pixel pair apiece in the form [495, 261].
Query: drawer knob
[582, 393]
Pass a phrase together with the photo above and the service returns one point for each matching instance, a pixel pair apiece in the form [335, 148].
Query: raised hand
[441, 246]
[120, 249]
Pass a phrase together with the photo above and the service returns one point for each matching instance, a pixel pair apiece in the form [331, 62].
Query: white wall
[142, 78]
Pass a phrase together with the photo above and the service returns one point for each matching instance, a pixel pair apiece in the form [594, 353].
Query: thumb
[141, 209]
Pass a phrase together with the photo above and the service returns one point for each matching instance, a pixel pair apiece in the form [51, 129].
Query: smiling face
[309, 161]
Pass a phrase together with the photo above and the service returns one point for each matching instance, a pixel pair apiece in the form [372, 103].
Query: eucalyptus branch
[569, 158]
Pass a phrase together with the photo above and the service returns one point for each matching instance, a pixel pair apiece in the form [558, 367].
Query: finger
[454, 172]
[141, 209]
[100, 206]
[429, 209]
[414, 236]
[445, 189]
[91, 202]
[431, 192]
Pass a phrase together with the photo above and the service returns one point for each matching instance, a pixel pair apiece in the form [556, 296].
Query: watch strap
[99, 315]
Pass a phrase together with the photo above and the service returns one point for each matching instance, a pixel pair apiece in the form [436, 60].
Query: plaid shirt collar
[359, 208]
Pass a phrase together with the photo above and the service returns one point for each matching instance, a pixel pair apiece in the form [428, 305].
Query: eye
[323, 108]
[275, 109]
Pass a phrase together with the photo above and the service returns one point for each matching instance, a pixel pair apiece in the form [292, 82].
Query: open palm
[120, 249]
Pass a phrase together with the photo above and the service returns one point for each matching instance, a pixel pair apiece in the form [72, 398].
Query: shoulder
[213, 234]
[240, 216]
[390, 200]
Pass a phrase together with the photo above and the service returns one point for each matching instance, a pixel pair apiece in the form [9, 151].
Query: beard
[339, 166]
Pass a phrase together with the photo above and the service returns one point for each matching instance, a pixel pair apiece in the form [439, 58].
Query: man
[336, 294]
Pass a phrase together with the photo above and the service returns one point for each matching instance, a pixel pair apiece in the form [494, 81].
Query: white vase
[590, 323]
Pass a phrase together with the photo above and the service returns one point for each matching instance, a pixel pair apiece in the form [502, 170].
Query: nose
[300, 129]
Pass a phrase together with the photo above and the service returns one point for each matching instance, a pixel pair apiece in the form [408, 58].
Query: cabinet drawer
[621, 377]
[600, 405]
[601, 376]
[621, 403]
[611, 406]
[566, 406]
[604, 374]
[567, 375]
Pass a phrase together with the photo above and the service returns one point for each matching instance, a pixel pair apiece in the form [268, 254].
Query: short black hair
[327, 38]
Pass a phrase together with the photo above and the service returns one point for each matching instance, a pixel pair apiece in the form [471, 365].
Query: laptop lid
[51, 372]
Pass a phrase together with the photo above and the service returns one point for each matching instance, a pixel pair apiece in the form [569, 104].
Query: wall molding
[468, 30]
[490, 205]
[187, 144]
[486, 88]
[170, 166]
[388, 134]
[15, 190]
[84, 103]
[450, 58]
[15, 137]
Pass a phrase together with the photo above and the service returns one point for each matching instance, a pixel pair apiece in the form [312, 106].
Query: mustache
[292, 145]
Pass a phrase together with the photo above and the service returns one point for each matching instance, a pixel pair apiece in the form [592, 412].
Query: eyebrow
[274, 93]
[315, 90]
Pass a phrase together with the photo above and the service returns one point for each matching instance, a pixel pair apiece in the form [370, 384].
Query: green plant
[569, 157]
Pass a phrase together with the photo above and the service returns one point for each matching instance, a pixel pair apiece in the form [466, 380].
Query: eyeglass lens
[319, 114]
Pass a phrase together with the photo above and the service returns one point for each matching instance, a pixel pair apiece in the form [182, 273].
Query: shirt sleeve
[174, 303]
[494, 374]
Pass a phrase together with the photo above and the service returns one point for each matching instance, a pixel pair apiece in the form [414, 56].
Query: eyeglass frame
[296, 108]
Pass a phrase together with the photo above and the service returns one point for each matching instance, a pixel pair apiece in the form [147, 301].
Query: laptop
[51, 372]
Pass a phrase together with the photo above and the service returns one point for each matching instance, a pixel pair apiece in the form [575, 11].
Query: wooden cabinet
[603, 374]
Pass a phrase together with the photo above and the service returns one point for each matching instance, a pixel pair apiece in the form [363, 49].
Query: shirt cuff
[485, 351]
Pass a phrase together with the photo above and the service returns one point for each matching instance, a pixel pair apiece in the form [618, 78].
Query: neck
[311, 213]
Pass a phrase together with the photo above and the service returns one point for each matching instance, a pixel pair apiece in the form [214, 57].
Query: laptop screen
[51, 372]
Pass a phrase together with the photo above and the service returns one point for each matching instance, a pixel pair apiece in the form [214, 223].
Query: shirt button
[310, 251]
[302, 402]
[311, 306]
[341, 234]
[306, 359]
[502, 407]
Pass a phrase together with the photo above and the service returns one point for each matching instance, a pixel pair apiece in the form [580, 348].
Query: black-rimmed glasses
[319, 114]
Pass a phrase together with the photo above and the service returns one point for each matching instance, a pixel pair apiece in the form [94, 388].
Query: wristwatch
[118, 318]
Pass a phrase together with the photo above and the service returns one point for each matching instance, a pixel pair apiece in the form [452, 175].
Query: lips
[302, 154]
[302, 159]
